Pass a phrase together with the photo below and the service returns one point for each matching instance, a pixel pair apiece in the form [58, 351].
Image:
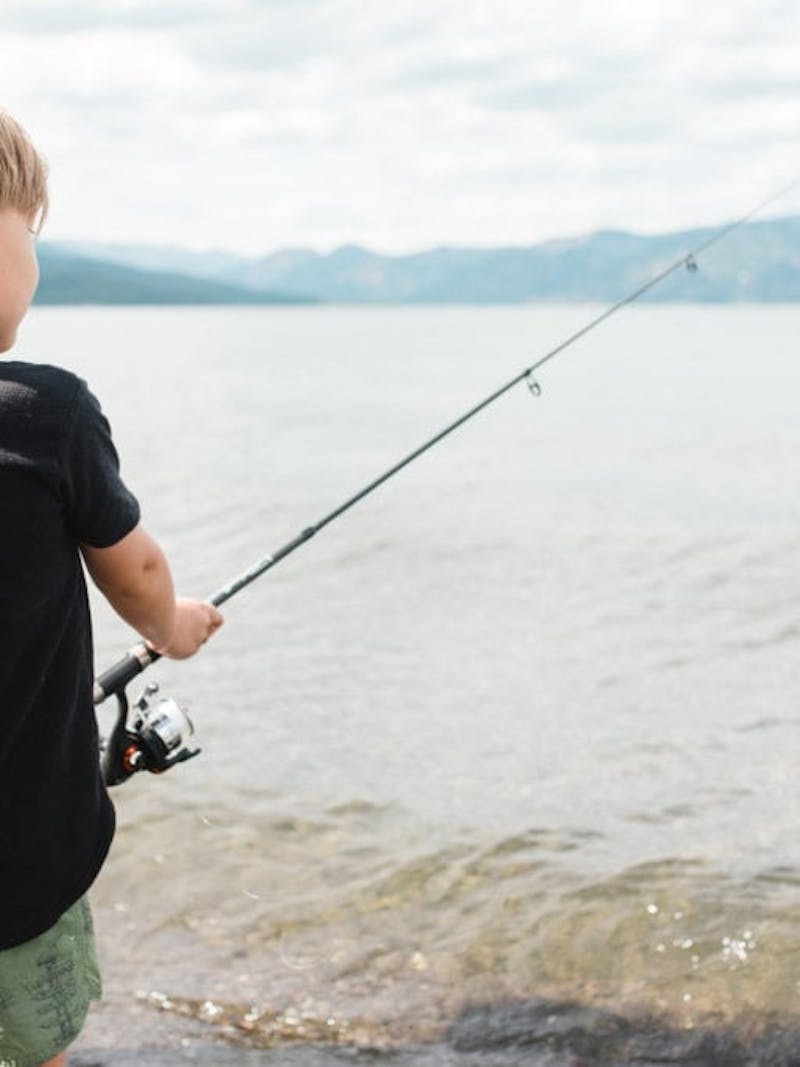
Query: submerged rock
[585, 1031]
[573, 1035]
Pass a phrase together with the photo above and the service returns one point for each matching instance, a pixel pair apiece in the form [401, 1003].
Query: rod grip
[123, 671]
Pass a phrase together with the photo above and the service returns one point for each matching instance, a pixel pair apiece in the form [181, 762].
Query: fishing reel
[152, 735]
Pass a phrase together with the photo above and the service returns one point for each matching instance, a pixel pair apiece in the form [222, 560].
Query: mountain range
[758, 261]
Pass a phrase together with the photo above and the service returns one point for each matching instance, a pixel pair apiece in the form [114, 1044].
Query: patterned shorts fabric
[46, 986]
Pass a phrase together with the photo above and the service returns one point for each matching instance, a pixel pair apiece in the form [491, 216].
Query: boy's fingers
[215, 620]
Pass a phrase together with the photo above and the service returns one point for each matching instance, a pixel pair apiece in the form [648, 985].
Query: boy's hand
[134, 576]
[195, 622]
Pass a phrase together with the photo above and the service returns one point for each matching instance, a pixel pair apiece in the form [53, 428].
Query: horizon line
[436, 247]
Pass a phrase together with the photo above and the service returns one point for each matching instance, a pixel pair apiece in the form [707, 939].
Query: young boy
[61, 498]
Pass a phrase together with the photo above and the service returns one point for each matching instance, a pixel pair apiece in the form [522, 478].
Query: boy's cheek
[12, 311]
[10, 318]
[7, 338]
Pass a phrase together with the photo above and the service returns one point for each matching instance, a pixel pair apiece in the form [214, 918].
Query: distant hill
[70, 278]
[758, 262]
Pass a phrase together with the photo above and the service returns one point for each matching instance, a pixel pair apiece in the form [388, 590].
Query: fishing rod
[156, 733]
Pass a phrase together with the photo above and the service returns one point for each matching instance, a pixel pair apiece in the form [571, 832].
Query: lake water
[522, 724]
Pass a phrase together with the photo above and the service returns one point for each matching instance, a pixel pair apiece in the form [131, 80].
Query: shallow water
[522, 725]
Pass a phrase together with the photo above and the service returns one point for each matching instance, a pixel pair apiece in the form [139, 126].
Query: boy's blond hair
[23, 172]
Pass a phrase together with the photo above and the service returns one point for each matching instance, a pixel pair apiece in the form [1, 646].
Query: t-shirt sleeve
[100, 508]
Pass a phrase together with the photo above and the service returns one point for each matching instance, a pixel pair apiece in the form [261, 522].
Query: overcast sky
[256, 124]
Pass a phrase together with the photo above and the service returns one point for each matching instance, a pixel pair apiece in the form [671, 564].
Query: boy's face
[19, 273]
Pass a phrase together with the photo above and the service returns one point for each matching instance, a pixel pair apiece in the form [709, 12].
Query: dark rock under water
[547, 1032]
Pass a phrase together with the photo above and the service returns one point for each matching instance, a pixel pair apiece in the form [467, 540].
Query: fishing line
[158, 729]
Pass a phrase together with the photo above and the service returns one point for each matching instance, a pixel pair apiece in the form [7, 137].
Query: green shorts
[45, 989]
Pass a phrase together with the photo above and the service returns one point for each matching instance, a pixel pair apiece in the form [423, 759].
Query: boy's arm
[135, 578]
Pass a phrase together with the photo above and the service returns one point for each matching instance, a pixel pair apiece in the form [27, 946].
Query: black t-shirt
[59, 487]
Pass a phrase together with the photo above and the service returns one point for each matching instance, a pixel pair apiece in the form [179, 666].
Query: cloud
[58, 17]
[262, 122]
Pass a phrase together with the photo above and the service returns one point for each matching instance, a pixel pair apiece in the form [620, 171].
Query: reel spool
[152, 735]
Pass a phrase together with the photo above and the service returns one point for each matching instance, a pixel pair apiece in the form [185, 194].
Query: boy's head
[23, 206]
[23, 173]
